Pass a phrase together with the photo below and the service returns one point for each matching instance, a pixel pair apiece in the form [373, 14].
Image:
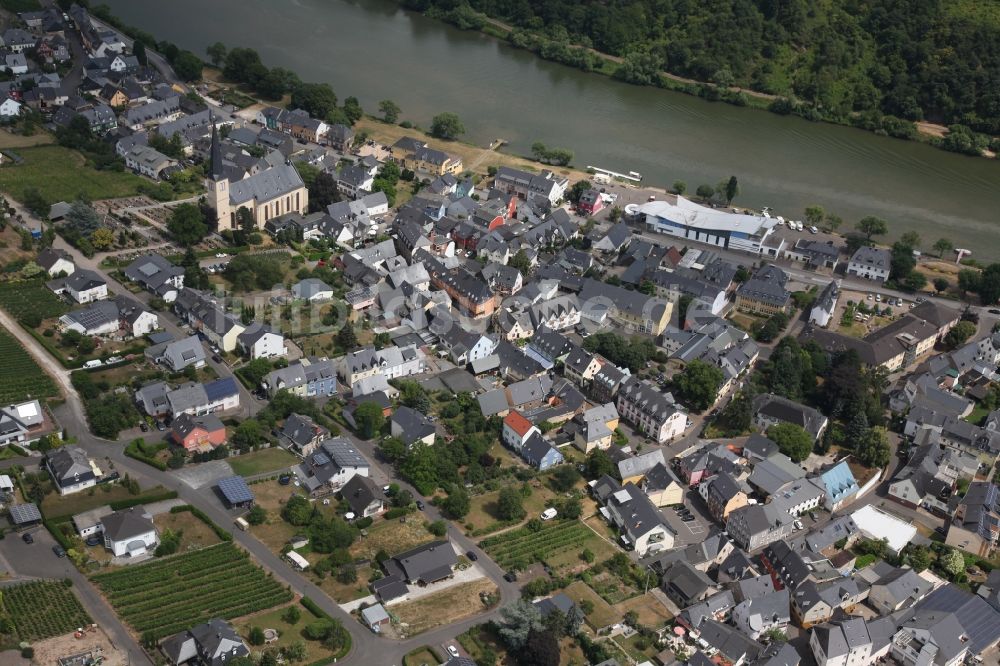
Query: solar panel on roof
[25, 513]
[321, 459]
[235, 490]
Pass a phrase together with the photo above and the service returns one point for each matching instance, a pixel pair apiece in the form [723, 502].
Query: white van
[549, 514]
[242, 524]
[95, 363]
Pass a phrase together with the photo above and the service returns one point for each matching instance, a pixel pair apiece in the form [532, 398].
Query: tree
[347, 339]
[369, 418]
[292, 615]
[705, 192]
[139, 51]
[951, 562]
[832, 222]
[256, 516]
[989, 285]
[815, 215]
[564, 478]
[872, 226]
[390, 111]
[352, 110]
[968, 280]
[347, 575]
[102, 239]
[323, 192]
[510, 505]
[521, 262]
[248, 435]
[187, 224]
[698, 385]
[901, 261]
[873, 449]
[541, 649]
[940, 284]
[447, 126]
[318, 99]
[910, 239]
[942, 245]
[577, 190]
[256, 636]
[732, 189]
[599, 464]
[187, 66]
[34, 201]
[297, 511]
[456, 505]
[792, 440]
[959, 333]
[516, 623]
[918, 557]
[915, 281]
[217, 53]
[680, 186]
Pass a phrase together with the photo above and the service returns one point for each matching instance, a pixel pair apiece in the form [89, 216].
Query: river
[373, 50]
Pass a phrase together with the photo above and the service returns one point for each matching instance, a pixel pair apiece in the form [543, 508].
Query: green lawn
[59, 506]
[288, 634]
[60, 174]
[264, 460]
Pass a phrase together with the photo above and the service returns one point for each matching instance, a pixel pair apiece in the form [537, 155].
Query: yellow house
[596, 427]
[415, 155]
[662, 486]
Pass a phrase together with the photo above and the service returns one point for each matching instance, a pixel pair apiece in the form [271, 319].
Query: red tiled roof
[518, 423]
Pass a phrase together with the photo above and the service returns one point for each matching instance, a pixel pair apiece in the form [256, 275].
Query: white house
[129, 532]
[825, 304]
[870, 263]
[653, 413]
[71, 469]
[313, 289]
[85, 286]
[260, 341]
[10, 108]
[56, 262]
[517, 430]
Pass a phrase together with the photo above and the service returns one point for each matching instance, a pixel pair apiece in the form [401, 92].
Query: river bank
[376, 51]
[538, 44]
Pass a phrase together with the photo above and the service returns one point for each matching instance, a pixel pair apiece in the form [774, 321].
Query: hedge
[203, 517]
[57, 534]
[314, 608]
[132, 451]
[142, 499]
[17, 449]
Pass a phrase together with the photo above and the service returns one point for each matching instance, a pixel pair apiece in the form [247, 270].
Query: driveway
[204, 474]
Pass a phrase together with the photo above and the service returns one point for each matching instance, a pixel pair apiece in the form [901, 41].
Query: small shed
[25, 515]
[6, 484]
[375, 616]
[236, 492]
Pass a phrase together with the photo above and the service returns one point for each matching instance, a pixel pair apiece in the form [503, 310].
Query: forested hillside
[935, 60]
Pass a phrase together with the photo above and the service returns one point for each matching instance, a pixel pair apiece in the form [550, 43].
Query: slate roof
[266, 185]
[360, 491]
[782, 409]
[428, 563]
[767, 285]
[127, 524]
[415, 425]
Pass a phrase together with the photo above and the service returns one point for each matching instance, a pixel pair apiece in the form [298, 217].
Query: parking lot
[690, 531]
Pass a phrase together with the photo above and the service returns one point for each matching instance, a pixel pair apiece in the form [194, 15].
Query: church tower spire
[217, 173]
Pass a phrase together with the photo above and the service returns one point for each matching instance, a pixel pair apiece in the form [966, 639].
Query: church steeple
[216, 173]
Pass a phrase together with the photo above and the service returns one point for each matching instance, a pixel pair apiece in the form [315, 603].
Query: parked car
[27, 538]
[420, 505]
[143, 427]
[453, 651]
[510, 576]
[58, 550]
[216, 358]
[160, 426]
[549, 514]
[472, 556]
[284, 480]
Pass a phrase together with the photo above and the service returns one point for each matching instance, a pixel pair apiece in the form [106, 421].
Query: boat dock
[634, 176]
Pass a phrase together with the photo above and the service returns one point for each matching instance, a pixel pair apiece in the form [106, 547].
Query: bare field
[450, 605]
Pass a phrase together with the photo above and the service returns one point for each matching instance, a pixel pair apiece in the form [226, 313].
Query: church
[268, 194]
